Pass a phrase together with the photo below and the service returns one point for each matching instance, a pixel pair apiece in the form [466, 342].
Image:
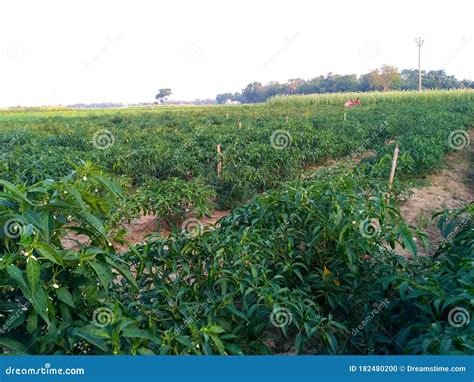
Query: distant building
[230, 102]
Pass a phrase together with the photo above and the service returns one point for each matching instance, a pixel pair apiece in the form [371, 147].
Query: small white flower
[84, 178]
[354, 222]
[55, 286]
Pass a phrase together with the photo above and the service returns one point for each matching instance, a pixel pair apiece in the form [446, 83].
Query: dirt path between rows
[138, 230]
[452, 187]
[142, 227]
[146, 225]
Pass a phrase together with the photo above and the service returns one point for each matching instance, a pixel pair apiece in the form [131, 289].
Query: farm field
[314, 243]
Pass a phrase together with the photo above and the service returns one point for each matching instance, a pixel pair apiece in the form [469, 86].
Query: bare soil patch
[138, 229]
[452, 187]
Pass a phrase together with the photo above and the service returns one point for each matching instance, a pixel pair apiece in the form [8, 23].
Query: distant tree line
[384, 78]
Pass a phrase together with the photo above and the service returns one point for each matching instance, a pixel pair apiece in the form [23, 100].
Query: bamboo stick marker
[219, 160]
[394, 166]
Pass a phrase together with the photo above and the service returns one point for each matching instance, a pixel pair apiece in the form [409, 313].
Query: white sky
[63, 52]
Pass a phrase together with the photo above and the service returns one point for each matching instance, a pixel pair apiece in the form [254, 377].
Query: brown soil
[451, 188]
[352, 160]
[138, 230]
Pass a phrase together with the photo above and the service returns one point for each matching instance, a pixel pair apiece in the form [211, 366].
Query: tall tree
[163, 94]
[384, 77]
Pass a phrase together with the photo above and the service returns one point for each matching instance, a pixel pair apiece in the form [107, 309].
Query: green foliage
[299, 249]
[300, 268]
[432, 313]
[153, 145]
[336, 83]
[173, 200]
[46, 288]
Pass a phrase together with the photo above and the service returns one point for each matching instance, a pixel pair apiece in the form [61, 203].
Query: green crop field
[312, 245]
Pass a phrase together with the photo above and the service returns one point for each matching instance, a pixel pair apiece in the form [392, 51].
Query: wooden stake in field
[287, 118]
[240, 123]
[394, 166]
[219, 160]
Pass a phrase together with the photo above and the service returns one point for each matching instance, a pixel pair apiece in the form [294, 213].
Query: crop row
[262, 146]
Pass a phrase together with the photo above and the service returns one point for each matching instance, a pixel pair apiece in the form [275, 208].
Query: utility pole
[419, 42]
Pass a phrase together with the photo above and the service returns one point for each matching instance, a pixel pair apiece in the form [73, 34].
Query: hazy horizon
[54, 53]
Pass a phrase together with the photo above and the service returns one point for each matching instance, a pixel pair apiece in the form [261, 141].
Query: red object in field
[352, 102]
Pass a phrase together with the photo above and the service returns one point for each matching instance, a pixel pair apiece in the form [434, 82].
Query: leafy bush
[173, 200]
[298, 269]
[431, 311]
[310, 267]
[165, 143]
[44, 287]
